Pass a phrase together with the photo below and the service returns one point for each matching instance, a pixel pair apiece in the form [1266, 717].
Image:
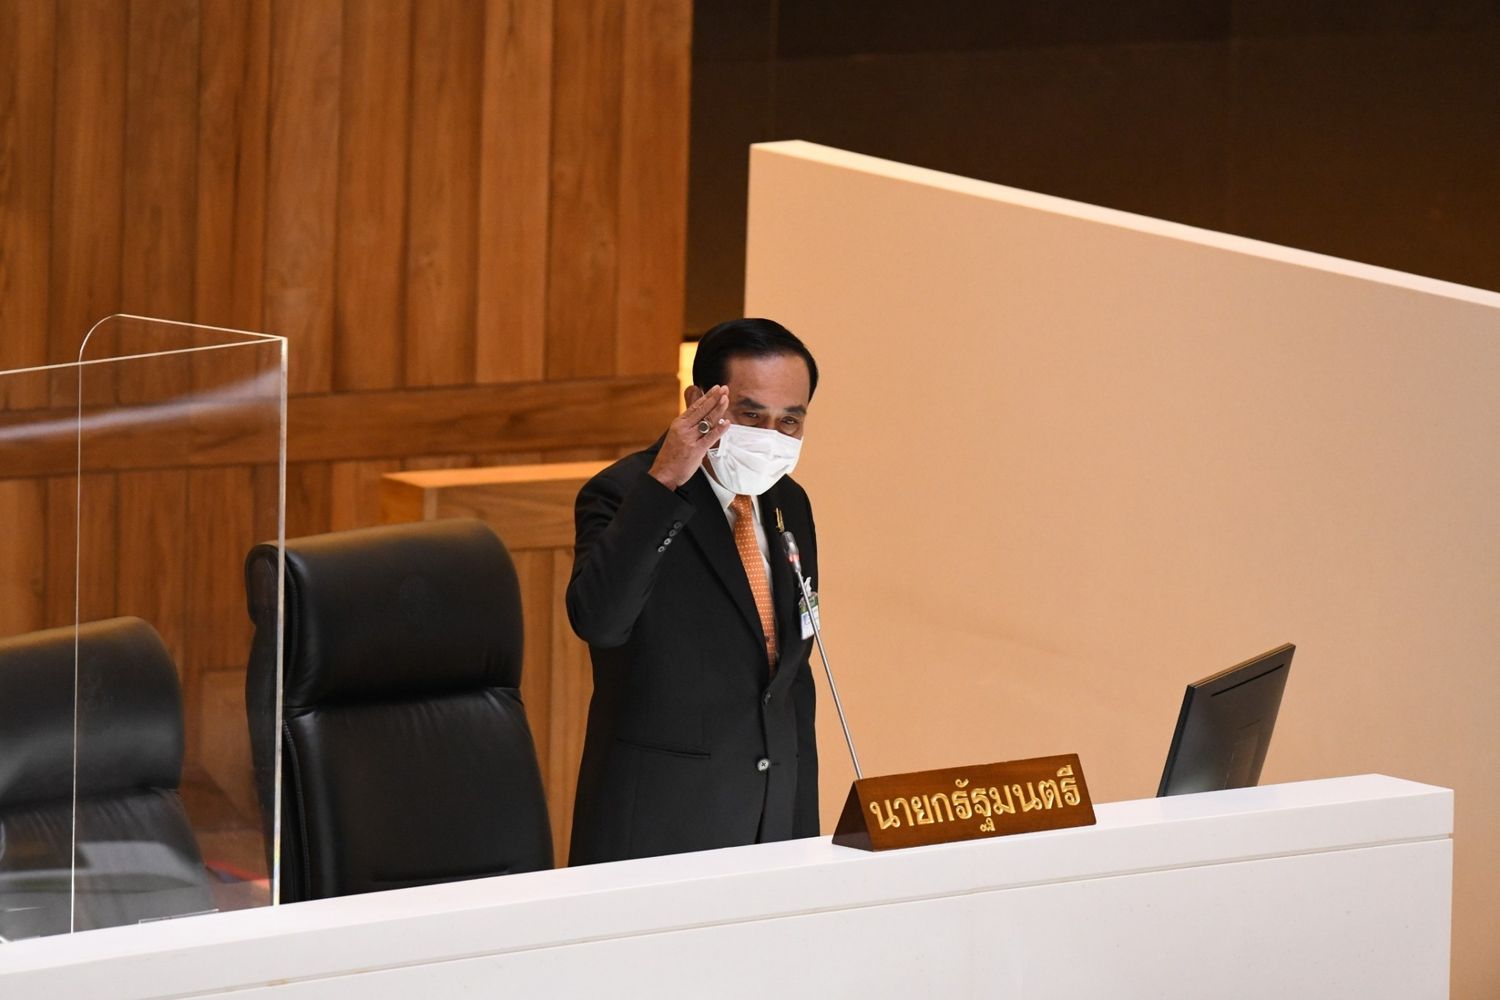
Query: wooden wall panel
[354, 493]
[375, 103]
[534, 571]
[582, 264]
[87, 180]
[161, 171]
[572, 687]
[302, 184]
[653, 166]
[146, 562]
[448, 42]
[547, 417]
[220, 520]
[514, 186]
[232, 121]
[23, 510]
[464, 215]
[26, 60]
[67, 536]
[309, 500]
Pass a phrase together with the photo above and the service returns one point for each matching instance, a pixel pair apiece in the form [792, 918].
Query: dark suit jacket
[691, 743]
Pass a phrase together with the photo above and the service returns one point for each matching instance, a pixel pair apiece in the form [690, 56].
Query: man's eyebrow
[756, 404]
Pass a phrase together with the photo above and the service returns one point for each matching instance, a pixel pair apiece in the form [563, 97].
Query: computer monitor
[1225, 726]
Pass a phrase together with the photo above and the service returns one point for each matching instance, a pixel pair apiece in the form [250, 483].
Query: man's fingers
[705, 403]
[712, 437]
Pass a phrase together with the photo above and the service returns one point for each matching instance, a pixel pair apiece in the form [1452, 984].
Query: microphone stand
[794, 556]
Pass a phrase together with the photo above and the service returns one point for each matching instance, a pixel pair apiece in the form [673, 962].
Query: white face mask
[749, 460]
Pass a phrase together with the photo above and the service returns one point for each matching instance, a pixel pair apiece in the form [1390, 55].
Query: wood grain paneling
[67, 536]
[465, 217]
[523, 416]
[234, 77]
[530, 506]
[302, 184]
[87, 180]
[448, 42]
[23, 571]
[220, 519]
[354, 493]
[161, 173]
[585, 188]
[534, 572]
[551, 417]
[146, 562]
[309, 503]
[375, 104]
[572, 687]
[26, 60]
[653, 173]
[515, 181]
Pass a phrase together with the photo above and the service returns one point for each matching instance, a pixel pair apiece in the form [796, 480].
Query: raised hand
[690, 436]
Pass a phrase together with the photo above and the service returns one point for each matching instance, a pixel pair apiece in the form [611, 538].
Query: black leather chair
[406, 756]
[137, 859]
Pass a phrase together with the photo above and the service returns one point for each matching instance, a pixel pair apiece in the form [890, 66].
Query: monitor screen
[1225, 726]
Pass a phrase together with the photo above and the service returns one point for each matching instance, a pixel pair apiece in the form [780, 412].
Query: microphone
[794, 556]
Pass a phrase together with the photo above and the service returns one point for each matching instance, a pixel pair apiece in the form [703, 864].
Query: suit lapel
[710, 531]
[784, 590]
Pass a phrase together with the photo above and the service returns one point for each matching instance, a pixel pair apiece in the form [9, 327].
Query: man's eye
[789, 421]
[749, 415]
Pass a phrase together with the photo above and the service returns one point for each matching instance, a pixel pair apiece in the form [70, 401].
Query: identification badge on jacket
[807, 619]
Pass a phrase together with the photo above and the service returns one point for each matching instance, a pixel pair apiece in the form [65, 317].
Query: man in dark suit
[700, 731]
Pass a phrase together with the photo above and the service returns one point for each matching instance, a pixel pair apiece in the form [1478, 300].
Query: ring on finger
[704, 427]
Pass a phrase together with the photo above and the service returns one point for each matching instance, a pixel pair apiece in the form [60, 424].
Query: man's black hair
[747, 338]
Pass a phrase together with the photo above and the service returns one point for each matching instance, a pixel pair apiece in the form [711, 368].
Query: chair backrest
[406, 756]
[136, 855]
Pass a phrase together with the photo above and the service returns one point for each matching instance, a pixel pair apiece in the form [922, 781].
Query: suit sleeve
[624, 527]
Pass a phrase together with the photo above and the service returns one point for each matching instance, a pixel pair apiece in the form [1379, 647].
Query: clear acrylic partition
[162, 454]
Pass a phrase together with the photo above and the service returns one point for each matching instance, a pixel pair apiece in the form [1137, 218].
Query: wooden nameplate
[965, 803]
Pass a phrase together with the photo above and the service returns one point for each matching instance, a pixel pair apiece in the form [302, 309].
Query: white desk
[1327, 889]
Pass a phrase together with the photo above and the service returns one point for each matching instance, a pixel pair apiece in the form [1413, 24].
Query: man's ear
[692, 394]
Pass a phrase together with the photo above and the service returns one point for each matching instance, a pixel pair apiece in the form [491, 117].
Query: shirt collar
[725, 497]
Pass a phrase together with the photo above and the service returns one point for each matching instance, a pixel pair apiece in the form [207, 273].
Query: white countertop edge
[656, 895]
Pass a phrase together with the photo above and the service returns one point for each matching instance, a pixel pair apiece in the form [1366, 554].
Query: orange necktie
[755, 571]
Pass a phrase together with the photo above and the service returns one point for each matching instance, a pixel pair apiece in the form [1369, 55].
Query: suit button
[672, 533]
[763, 764]
[766, 698]
[661, 548]
[676, 526]
[667, 540]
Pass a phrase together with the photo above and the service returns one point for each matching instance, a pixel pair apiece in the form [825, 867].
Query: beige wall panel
[1065, 460]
